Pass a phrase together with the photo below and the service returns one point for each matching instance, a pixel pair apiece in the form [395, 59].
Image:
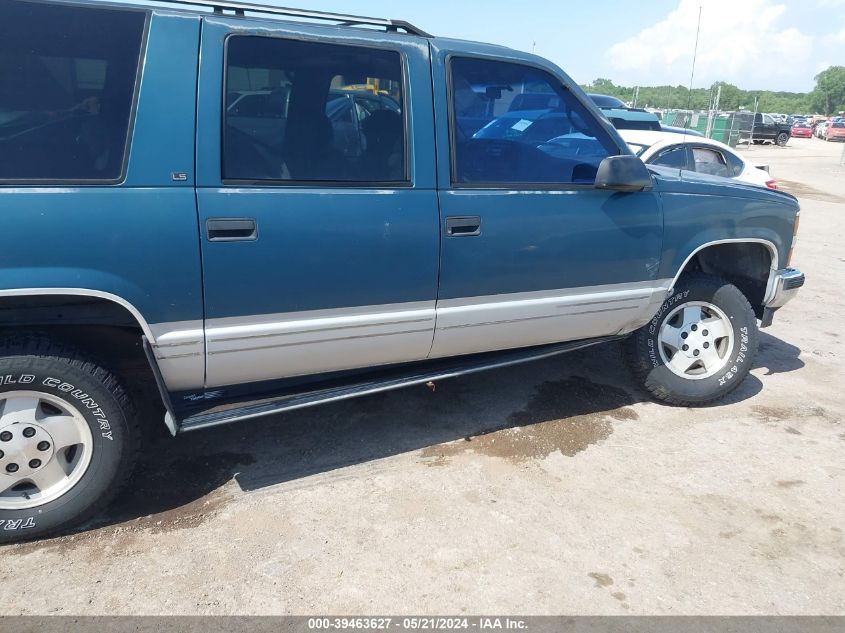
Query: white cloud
[745, 43]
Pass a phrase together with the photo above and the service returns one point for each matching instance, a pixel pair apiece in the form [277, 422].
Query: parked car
[761, 128]
[680, 130]
[835, 131]
[154, 243]
[624, 118]
[819, 127]
[801, 130]
[702, 155]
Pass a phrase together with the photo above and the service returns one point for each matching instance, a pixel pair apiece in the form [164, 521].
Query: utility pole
[754, 120]
[636, 96]
[714, 108]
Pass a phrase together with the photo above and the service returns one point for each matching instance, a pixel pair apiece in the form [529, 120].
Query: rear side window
[675, 157]
[735, 164]
[311, 112]
[518, 124]
[67, 83]
[710, 161]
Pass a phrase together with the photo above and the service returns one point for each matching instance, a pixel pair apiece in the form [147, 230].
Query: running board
[449, 368]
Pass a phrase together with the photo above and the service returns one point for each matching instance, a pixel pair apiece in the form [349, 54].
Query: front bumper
[785, 285]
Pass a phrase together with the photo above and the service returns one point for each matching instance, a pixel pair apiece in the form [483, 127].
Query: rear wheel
[68, 438]
[699, 347]
[782, 139]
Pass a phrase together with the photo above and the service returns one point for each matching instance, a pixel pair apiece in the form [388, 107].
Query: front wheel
[782, 139]
[700, 345]
[68, 438]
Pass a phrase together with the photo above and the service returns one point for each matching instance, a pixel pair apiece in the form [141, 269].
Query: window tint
[67, 79]
[635, 124]
[606, 101]
[710, 161]
[516, 124]
[309, 112]
[735, 164]
[675, 157]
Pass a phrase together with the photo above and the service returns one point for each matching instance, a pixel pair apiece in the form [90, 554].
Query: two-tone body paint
[136, 240]
[352, 277]
[340, 276]
[559, 244]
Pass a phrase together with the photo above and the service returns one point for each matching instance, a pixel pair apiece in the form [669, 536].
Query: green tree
[829, 94]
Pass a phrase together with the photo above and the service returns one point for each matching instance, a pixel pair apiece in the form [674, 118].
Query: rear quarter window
[67, 83]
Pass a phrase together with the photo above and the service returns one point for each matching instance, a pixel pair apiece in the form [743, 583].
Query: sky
[754, 44]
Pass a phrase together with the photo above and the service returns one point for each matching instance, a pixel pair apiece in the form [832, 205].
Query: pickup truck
[766, 130]
[228, 215]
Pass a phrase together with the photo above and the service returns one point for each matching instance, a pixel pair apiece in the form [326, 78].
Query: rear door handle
[231, 229]
[463, 226]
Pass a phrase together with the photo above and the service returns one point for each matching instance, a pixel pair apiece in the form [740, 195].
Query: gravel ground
[551, 488]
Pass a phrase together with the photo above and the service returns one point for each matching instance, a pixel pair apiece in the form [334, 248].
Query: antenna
[692, 74]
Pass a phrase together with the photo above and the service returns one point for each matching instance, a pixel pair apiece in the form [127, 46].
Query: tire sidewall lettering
[742, 338]
[84, 401]
[88, 405]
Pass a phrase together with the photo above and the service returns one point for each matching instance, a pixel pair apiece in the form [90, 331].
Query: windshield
[606, 101]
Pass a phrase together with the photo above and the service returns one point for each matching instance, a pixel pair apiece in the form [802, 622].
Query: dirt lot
[550, 488]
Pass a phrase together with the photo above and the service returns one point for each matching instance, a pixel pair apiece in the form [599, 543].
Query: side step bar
[450, 368]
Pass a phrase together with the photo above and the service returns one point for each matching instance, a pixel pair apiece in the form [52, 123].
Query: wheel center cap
[694, 342]
[25, 448]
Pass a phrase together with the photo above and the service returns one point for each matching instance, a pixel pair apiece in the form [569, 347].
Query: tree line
[828, 97]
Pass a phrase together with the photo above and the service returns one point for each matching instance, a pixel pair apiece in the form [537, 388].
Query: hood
[682, 181]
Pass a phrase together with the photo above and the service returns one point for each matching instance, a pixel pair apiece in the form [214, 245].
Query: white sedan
[694, 153]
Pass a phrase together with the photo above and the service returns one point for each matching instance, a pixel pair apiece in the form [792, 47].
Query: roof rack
[221, 6]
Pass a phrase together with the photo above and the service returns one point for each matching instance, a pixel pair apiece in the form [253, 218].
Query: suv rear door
[319, 232]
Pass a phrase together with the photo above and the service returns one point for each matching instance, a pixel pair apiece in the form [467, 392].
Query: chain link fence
[729, 128]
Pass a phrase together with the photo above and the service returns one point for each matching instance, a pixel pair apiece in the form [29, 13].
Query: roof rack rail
[220, 6]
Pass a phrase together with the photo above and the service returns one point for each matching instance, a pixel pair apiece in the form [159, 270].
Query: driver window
[517, 124]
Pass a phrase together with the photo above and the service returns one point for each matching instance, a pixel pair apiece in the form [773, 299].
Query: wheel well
[747, 265]
[104, 329]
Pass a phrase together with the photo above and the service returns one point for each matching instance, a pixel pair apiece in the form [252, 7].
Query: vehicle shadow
[588, 387]
[778, 356]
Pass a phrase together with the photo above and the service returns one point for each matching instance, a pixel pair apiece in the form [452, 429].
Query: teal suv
[231, 210]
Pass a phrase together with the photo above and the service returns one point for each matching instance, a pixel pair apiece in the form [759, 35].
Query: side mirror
[623, 173]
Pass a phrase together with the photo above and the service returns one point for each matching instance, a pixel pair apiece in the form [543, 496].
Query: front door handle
[231, 229]
[463, 226]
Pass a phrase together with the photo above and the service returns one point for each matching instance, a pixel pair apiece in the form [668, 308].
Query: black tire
[782, 139]
[649, 366]
[34, 363]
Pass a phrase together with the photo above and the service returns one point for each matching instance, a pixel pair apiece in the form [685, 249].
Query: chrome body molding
[179, 350]
[265, 347]
[773, 251]
[179, 346]
[254, 348]
[484, 324]
[82, 292]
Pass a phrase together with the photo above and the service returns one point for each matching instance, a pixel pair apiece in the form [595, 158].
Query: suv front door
[532, 253]
[320, 254]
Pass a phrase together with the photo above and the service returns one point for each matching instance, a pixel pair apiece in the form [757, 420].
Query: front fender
[712, 210]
